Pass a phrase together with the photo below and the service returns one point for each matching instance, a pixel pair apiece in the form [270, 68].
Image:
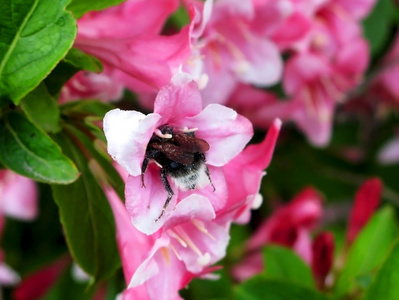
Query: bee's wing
[175, 153]
[191, 144]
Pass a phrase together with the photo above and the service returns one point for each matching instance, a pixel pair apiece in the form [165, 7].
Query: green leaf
[83, 61]
[385, 285]
[283, 263]
[377, 26]
[199, 289]
[42, 109]
[36, 34]
[27, 150]
[104, 162]
[260, 288]
[73, 62]
[87, 218]
[79, 7]
[368, 250]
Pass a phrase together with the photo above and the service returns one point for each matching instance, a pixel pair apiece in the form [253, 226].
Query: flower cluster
[233, 48]
[218, 186]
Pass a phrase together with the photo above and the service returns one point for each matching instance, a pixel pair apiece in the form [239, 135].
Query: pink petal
[226, 132]
[259, 156]
[130, 18]
[389, 154]
[251, 265]
[19, 196]
[262, 65]
[132, 244]
[192, 207]
[286, 224]
[358, 9]
[208, 243]
[145, 204]
[8, 277]
[303, 245]
[367, 199]
[35, 285]
[178, 100]
[128, 133]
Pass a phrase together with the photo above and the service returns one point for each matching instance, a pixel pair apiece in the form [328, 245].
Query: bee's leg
[208, 173]
[168, 189]
[143, 169]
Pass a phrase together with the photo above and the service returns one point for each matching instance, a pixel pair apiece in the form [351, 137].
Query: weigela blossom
[89, 85]
[193, 233]
[389, 153]
[185, 247]
[289, 226]
[230, 51]
[127, 37]
[179, 105]
[329, 62]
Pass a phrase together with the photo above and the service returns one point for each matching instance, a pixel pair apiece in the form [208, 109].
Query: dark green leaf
[385, 285]
[283, 263]
[73, 62]
[260, 288]
[103, 159]
[199, 289]
[27, 150]
[368, 250]
[378, 25]
[87, 218]
[36, 34]
[83, 61]
[42, 109]
[79, 7]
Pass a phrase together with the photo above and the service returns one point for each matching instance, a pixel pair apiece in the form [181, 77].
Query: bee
[180, 156]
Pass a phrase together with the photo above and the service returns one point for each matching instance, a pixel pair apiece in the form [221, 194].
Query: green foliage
[379, 25]
[74, 61]
[29, 151]
[282, 263]
[36, 34]
[87, 218]
[261, 288]
[367, 251]
[79, 7]
[42, 109]
[219, 289]
[385, 285]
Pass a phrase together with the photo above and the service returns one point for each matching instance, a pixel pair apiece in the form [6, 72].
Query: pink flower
[179, 105]
[18, 196]
[366, 202]
[389, 154]
[127, 38]
[260, 106]
[88, 85]
[8, 277]
[244, 174]
[232, 52]
[289, 226]
[189, 242]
